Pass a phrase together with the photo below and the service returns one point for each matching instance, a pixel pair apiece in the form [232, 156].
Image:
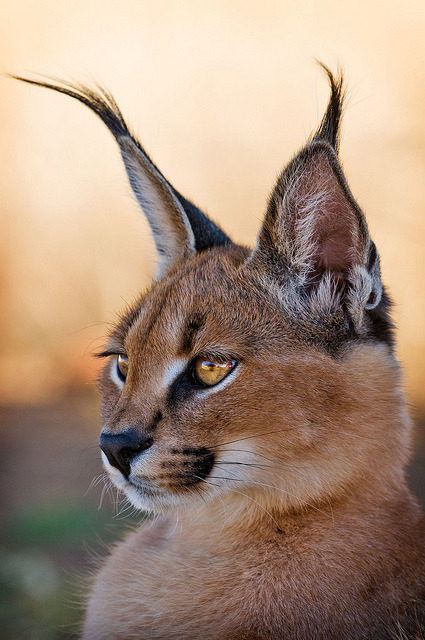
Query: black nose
[121, 448]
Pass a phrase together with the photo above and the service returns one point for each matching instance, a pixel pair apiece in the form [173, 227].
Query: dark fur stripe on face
[193, 466]
[189, 333]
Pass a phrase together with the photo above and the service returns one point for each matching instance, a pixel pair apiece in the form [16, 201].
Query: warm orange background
[221, 94]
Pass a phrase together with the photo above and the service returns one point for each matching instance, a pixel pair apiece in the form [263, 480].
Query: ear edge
[159, 204]
[202, 233]
[295, 178]
[357, 287]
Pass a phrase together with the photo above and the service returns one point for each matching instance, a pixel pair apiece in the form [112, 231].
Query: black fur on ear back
[207, 233]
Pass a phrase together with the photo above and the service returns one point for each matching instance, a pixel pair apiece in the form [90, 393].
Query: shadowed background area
[221, 95]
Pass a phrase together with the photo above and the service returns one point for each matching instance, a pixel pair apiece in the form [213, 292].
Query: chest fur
[161, 586]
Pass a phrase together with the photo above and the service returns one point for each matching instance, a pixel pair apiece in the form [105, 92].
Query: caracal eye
[122, 366]
[210, 373]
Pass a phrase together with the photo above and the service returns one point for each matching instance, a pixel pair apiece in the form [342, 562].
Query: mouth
[143, 494]
[176, 481]
[153, 499]
[146, 490]
[150, 497]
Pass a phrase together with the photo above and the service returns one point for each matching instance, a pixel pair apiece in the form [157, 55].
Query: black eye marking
[181, 389]
[188, 382]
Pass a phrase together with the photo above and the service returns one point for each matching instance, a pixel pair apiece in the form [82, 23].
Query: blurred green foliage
[62, 523]
[44, 564]
[35, 599]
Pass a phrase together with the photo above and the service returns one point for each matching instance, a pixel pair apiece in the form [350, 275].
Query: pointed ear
[178, 226]
[314, 233]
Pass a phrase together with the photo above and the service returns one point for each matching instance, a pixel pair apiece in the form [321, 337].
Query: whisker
[194, 493]
[256, 435]
[224, 478]
[203, 480]
[96, 480]
[112, 491]
[102, 495]
[267, 433]
[245, 464]
[260, 505]
[271, 486]
[256, 453]
[126, 506]
[253, 453]
[246, 496]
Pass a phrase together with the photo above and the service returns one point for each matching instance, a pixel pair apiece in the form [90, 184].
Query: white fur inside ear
[170, 226]
[114, 373]
[365, 293]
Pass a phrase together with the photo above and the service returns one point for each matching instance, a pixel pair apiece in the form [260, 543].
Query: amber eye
[210, 373]
[122, 366]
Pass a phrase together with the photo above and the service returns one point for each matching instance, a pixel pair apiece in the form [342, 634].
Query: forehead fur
[210, 299]
[219, 294]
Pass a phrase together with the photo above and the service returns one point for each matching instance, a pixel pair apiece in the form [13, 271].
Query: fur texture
[280, 495]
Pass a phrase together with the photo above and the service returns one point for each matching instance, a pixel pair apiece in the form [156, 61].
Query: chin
[151, 499]
[146, 496]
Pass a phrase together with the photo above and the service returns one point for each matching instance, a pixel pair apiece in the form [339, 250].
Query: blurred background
[221, 94]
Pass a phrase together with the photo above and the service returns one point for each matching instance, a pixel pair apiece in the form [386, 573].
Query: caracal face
[267, 429]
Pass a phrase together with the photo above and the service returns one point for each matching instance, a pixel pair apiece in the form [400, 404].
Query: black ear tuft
[329, 128]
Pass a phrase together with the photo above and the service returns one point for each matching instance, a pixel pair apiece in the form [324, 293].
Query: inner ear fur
[313, 223]
[314, 236]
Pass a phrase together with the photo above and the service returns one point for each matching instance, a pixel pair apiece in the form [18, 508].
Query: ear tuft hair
[329, 128]
[99, 100]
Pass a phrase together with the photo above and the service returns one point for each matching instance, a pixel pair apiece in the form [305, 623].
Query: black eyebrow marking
[193, 325]
[180, 389]
[110, 352]
[156, 314]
